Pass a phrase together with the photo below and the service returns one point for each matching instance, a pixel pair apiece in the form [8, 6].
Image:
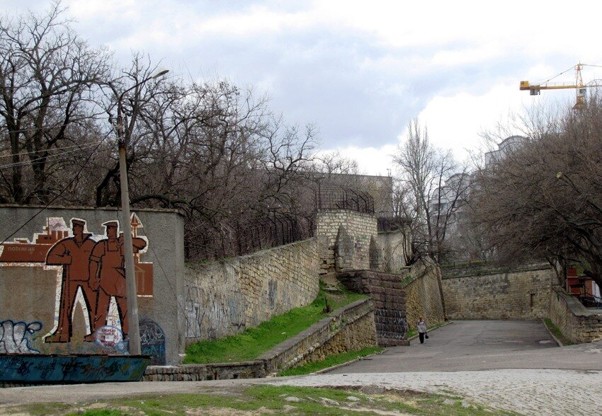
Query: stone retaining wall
[423, 296]
[388, 296]
[350, 328]
[226, 297]
[519, 294]
[359, 228]
[575, 321]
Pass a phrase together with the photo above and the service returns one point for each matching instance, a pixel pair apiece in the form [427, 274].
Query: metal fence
[244, 238]
[337, 197]
[238, 239]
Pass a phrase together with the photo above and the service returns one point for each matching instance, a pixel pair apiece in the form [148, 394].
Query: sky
[360, 71]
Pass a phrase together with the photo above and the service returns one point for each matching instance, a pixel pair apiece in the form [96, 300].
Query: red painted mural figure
[73, 254]
[107, 274]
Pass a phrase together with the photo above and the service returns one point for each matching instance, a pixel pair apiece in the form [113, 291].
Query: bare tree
[210, 149]
[543, 200]
[126, 103]
[48, 77]
[430, 191]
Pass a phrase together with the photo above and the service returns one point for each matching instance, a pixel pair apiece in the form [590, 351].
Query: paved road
[480, 345]
[508, 365]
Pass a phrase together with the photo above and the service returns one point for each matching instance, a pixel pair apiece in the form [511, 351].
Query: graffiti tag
[13, 336]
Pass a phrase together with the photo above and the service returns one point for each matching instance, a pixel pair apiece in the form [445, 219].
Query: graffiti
[391, 323]
[193, 318]
[110, 337]
[152, 340]
[39, 368]
[272, 290]
[13, 336]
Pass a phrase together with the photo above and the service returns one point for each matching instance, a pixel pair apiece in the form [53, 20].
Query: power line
[51, 150]
[49, 157]
[76, 176]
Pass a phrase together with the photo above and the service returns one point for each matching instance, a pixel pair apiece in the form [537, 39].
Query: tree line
[210, 149]
[539, 198]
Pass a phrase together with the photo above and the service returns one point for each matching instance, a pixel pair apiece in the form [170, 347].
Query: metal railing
[239, 239]
[336, 197]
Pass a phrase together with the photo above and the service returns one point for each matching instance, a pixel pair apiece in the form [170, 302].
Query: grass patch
[253, 342]
[556, 332]
[330, 361]
[270, 400]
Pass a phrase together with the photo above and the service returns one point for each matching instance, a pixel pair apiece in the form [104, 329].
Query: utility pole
[134, 347]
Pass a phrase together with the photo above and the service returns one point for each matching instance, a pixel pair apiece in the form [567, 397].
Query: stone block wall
[575, 321]
[359, 227]
[423, 296]
[395, 247]
[350, 328]
[388, 296]
[226, 297]
[519, 294]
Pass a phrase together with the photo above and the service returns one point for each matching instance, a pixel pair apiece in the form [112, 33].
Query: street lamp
[130, 273]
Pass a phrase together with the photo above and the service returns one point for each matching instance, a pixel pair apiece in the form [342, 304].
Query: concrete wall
[358, 227]
[491, 294]
[30, 290]
[224, 298]
[575, 321]
[423, 297]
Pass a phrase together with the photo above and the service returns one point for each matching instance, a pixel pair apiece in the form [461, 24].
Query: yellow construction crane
[535, 89]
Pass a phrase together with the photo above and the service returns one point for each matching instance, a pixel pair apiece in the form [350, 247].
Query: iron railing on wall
[245, 238]
[337, 197]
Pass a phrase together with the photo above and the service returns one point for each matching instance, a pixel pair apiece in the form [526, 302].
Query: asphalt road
[480, 345]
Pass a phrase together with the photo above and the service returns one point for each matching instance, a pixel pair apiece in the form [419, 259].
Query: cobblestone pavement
[528, 392]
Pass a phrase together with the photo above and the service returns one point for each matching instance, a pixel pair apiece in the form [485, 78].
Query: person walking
[422, 332]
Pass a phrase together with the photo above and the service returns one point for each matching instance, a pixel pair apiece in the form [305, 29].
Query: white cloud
[371, 160]
[358, 70]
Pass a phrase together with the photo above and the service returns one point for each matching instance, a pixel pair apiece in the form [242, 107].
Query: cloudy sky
[359, 71]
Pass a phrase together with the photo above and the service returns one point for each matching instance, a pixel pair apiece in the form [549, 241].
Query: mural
[91, 273]
[107, 274]
[73, 254]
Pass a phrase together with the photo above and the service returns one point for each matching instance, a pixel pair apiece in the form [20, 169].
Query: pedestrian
[422, 333]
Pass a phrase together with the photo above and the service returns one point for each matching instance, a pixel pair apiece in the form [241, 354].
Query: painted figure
[73, 253]
[107, 274]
